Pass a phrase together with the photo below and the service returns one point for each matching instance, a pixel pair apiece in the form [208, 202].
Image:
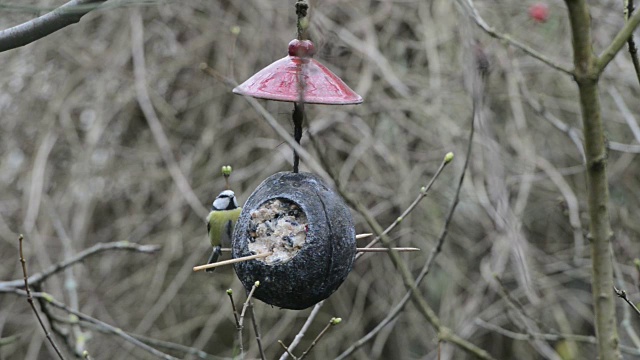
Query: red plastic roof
[279, 81]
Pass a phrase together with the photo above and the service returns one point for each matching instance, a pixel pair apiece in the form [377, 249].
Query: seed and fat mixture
[278, 226]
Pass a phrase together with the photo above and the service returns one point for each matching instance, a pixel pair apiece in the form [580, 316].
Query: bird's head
[225, 201]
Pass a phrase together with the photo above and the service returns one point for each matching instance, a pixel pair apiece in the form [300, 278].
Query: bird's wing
[227, 233]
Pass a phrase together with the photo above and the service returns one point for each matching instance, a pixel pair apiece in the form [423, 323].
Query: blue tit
[220, 222]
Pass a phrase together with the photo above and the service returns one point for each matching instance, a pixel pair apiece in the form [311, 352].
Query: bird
[220, 222]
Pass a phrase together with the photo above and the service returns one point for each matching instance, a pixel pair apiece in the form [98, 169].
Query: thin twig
[30, 300]
[246, 303]
[231, 261]
[233, 306]
[631, 44]
[32, 30]
[241, 320]
[303, 330]
[332, 322]
[423, 193]
[54, 321]
[617, 43]
[286, 349]
[256, 330]
[623, 295]
[96, 249]
[626, 317]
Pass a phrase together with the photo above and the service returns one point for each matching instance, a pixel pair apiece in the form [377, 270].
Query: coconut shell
[324, 260]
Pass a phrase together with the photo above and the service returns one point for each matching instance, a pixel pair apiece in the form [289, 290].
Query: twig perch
[231, 261]
[259, 256]
[363, 236]
[364, 249]
[400, 249]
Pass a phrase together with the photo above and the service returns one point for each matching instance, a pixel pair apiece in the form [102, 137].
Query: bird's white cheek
[221, 204]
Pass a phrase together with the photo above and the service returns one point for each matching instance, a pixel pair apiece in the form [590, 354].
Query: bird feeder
[299, 227]
[307, 230]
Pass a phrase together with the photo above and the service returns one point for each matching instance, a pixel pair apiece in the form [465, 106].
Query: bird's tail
[214, 257]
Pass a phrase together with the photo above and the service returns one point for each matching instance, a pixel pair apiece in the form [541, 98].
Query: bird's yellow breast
[221, 223]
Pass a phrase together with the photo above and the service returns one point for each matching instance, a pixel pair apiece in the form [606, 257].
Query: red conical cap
[279, 81]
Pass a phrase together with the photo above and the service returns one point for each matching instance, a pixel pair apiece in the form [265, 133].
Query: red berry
[539, 12]
[301, 48]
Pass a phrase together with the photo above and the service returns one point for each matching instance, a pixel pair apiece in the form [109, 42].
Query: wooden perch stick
[376, 249]
[387, 249]
[258, 256]
[231, 261]
[362, 236]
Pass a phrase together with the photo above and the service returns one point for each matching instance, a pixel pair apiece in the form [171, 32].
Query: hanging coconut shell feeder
[308, 231]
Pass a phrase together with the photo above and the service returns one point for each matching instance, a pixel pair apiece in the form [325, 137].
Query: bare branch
[303, 330]
[617, 43]
[332, 322]
[104, 326]
[96, 249]
[587, 72]
[242, 313]
[32, 30]
[256, 330]
[30, 300]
